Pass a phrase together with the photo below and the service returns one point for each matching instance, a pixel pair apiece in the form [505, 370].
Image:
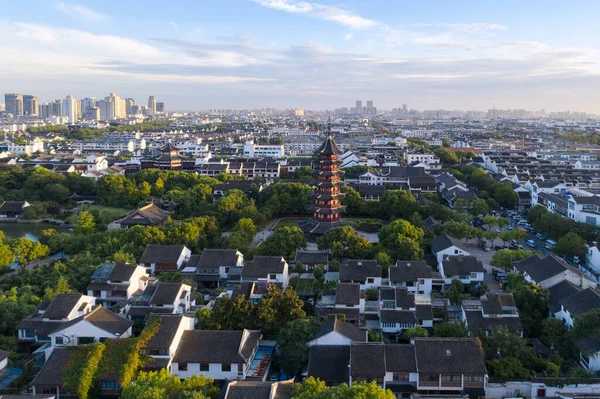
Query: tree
[532, 301]
[447, 329]
[508, 368]
[505, 258]
[344, 242]
[278, 308]
[569, 245]
[26, 250]
[312, 388]
[292, 344]
[535, 214]
[415, 332]
[354, 203]
[85, 223]
[587, 324]
[455, 294]
[243, 233]
[6, 256]
[506, 196]
[162, 384]
[401, 238]
[397, 204]
[284, 241]
[490, 221]
[554, 332]
[479, 207]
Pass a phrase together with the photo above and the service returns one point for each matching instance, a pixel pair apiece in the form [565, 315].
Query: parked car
[497, 231]
[576, 259]
[531, 243]
[509, 227]
[540, 236]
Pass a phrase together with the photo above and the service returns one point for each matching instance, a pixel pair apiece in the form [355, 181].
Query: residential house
[265, 270]
[161, 297]
[550, 270]
[397, 176]
[467, 269]
[164, 343]
[114, 284]
[583, 209]
[445, 245]
[398, 310]
[214, 266]
[336, 332]
[257, 390]
[222, 355]
[96, 326]
[312, 258]
[164, 258]
[365, 272]
[49, 380]
[491, 312]
[576, 305]
[416, 275]
[64, 308]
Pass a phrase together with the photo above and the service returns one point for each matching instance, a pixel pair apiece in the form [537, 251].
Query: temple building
[326, 198]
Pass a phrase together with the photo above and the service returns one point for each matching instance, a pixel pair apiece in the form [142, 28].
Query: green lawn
[287, 222]
[304, 286]
[361, 221]
[112, 212]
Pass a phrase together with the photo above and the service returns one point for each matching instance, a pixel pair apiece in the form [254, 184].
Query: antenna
[329, 125]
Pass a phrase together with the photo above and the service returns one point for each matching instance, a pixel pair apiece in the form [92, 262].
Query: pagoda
[326, 207]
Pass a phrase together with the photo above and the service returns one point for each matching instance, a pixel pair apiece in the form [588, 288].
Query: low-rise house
[398, 310]
[549, 271]
[337, 332]
[64, 308]
[222, 355]
[558, 292]
[444, 244]
[257, 390]
[491, 312]
[467, 269]
[161, 297]
[113, 284]
[164, 343]
[214, 266]
[576, 305]
[265, 270]
[164, 258]
[96, 326]
[49, 380]
[365, 272]
[329, 363]
[312, 258]
[416, 275]
[348, 295]
[13, 209]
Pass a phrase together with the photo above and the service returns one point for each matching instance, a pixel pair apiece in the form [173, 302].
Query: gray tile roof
[447, 355]
[348, 330]
[358, 270]
[347, 294]
[261, 266]
[400, 358]
[216, 346]
[54, 369]
[476, 321]
[444, 241]
[329, 363]
[165, 293]
[581, 302]
[560, 291]
[162, 254]
[61, 306]
[103, 319]
[169, 324]
[461, 265]
[542, 269]
[367, 359]
[409, 271]
[215, 258]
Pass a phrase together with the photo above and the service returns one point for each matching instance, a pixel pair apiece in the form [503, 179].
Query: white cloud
[473, 28]
[320, 11]
[173, 24]
[79, 11]
[348, 36]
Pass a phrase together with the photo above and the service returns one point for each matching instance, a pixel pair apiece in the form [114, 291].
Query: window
[204, 367]
[272, 277]
[400, 376]
[182, 367]
[226, 367]
[59, 340]
[370, 280]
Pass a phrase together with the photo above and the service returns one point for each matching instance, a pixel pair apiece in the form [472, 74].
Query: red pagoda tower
[326, 198]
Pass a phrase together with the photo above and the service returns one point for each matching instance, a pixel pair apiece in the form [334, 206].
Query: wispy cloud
[173, 24]
[472, 28]
[79, 11]
[320, 11]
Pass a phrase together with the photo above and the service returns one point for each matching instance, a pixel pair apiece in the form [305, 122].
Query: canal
[27, 230]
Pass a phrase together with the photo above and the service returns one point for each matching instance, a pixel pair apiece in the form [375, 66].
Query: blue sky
[201, 54]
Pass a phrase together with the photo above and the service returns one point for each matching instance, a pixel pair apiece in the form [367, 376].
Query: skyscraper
[14, 103]
[151, 105]
[70, 108]
[129, 103]
[92, 113]
[30, 105]
[160, 108]
[112, 107]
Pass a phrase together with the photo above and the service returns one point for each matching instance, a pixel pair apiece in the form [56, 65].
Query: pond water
[31, 231]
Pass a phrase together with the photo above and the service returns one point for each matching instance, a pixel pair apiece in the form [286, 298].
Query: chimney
[448, 352]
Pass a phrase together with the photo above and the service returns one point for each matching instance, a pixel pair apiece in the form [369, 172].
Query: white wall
[214, 371]
[333, 338]
[83, 329]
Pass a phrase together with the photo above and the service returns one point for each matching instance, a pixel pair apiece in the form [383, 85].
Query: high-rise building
[92, 113]
[112, 107]
[160, 108]
[371, 110]
[2, 107]
[70, 108]
[151, 105]
[56, 108]
[30, 105]
[14, 103]
[87, 103]
[136, 109]
[405, 108]
[129, 103]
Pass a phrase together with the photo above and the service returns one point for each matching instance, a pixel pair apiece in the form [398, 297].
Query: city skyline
[250, 54]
